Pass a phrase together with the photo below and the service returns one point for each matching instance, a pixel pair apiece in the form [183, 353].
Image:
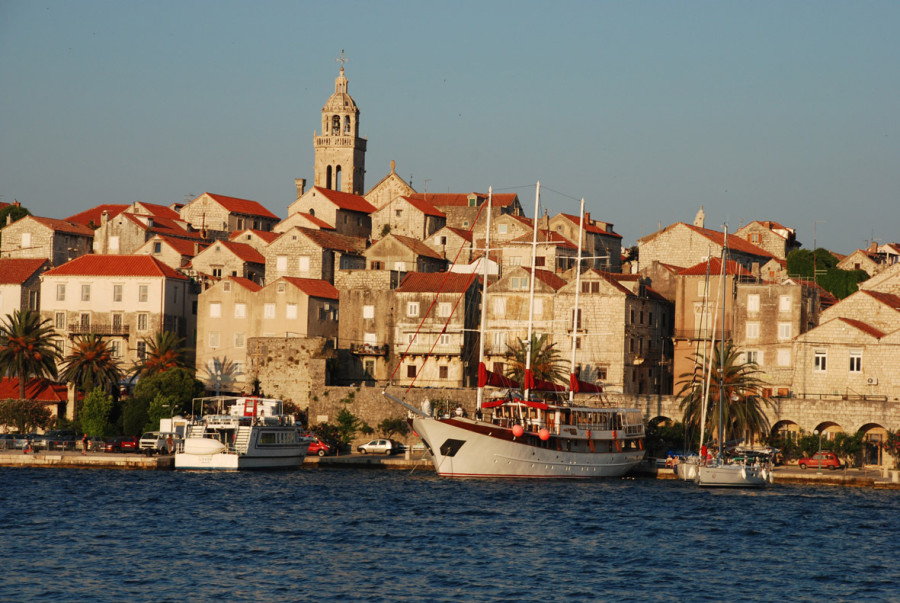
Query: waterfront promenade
[870, 477]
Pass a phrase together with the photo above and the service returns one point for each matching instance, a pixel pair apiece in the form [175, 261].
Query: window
[398, 213]
[117, 293]
[281, 263]
[85, 293]
[217, 272]
[411, 371]
[85, 322]
[751, 356]
[500, 341]
[820, 361]
[369, 368]
[631, 316]
[60, 322]
[443, 372]
[444, 309]
[540, 261]
[215, 310]
[303, 263]
[290, 312]
[142, 321]
[32, 300]
[143, 293]
[784, 357]
[60, 293]
[502, 229]
[784, 303]
[117, 322]
[214, 339]
[855, 361]
[784, 330]
[141, 350]
[157, 248]
[238, 340]
[444, 340]
[499, 306]
[515, 261]
[753, 302]
[370, 339]
[269, 311]
[368, 312]
[412, 308]
[226, 286]
[279, 288]
[752, 330]
[115, 348]
[26, 240]
[701, 289]
[376, 265]
[577, 317]
[240, 310]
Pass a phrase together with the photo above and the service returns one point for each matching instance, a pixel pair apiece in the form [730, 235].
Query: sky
[783, 111]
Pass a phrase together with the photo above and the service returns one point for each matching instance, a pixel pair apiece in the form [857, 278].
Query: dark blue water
[356, 535]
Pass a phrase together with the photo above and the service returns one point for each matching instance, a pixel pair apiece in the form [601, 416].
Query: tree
[135, 415]
[178, 384]
[546, 361]
[96, 411]
[164, 351]
[347, 424]
[162, 406]
[15, 211]
[840, 283]
[27, 347]
[220, 374]
[743, 407]
[389, 427]
[25, 415]
[91, 364]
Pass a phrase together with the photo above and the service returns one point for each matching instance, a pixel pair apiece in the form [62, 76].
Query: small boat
[242, 433]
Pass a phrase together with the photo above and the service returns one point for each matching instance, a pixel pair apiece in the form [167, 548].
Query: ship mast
[529, 378]
[573, 378]
[482, 370]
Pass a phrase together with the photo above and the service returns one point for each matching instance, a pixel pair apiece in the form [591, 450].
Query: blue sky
[784, 111]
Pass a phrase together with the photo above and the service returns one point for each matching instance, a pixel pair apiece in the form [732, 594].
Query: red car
[121, 444]
[319, 447]
[828, 459]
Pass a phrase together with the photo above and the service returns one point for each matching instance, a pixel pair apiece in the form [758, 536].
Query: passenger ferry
[242, 433]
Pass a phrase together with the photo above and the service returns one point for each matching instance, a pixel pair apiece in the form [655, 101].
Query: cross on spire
[341, 59]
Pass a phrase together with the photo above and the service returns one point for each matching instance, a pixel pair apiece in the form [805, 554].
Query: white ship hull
[732, 476]
[230, 461]
[466, 448]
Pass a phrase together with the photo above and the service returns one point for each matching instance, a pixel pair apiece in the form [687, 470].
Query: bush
[95, 413]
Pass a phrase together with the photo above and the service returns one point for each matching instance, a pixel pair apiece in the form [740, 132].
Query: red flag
[573, 383]
[482, 375]
[529, 379]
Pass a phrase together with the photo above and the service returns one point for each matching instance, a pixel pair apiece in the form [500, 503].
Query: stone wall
[288, 368]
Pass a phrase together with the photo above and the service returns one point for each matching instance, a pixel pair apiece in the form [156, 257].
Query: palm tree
[743, 409]
[220, 374]
[91, 364]
[27, 347]
[546, 361]
[163, 352]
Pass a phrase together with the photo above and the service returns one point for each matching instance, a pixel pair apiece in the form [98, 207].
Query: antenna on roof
[341, 59]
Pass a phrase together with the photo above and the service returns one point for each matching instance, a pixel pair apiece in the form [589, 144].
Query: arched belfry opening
[328, 177]
[337, 179]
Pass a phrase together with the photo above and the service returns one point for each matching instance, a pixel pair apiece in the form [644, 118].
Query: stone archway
[873, 435]
[828, 429]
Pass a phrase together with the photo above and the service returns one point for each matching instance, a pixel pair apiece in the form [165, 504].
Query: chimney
[873, 247]
[71, 397]
[300, 183]
[587, 217]
[104, 217]
[196, 248]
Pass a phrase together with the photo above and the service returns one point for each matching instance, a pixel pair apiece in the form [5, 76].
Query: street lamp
[819, 455]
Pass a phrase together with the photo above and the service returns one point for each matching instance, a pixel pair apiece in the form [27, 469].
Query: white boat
[519, 437]
[242, 433]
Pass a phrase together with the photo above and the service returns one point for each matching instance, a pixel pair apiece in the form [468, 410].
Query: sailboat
[524, 436]
[719, 472]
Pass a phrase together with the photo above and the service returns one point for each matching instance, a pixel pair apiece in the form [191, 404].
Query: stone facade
[407, 217]
[226, 258]
[175, 253]
[33, 237]
[601, 244]
[20, 284]
[770, 236]
[349, 215]
[389, 189]
[308, 253]
[684, 245]
[403, 254]
[340, 152]
[218, 215]
[453, 244]
[291, 369]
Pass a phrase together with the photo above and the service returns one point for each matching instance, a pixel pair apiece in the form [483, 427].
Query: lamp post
[819, 455]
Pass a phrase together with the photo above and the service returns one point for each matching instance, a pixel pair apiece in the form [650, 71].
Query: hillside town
[378, 286]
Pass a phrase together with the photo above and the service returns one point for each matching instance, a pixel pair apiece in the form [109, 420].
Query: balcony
[702, 334]
[367, 349]
[109, 330]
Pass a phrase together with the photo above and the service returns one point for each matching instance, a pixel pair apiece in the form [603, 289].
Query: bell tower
[340, 152]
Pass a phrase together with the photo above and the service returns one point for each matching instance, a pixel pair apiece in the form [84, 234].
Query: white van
[154, 442]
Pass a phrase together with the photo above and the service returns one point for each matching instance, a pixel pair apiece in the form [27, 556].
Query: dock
[93, 460]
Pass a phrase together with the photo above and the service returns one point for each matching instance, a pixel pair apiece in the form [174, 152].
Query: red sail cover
[489, 378]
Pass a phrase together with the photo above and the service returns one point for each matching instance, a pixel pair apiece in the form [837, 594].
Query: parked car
[128, 443]
[154, 442]
[320, 447]
[7, 441]
[60, 439]
[379, 447]
[828, 459]
[112, 445]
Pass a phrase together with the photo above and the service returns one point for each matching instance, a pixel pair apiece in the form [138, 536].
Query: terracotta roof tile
[313, 287]
[63, 226]
[425, 207]
[462, 199]
[162, 226]
[35, 389]
[155, 210]
[592, 228]
[434, 282]
[181, 246]
[417, 246]
[322, 224]
[246, 283]
[548, 278]
[333, 240]
[244, 252]
[346, 201]
[464, 234]
[94, 215]
[888, 299]
[865, 328]
[242, 206]
[265, 235]
[15, 271]
[115, 265]
[732, 268]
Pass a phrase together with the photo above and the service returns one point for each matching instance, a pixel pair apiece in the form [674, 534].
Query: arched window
[336, 124]
[346, 124]
[312, 211]
[328, 177]
[337, 178]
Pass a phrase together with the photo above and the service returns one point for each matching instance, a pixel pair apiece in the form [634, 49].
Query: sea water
[370, 535]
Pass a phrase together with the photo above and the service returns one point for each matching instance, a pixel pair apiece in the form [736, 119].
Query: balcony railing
[367, 349]
[99, 329]
[704, 334]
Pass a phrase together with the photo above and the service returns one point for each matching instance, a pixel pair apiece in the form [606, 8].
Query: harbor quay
[878, 478]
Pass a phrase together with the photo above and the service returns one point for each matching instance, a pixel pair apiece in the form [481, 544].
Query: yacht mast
[529, 378]
[722, 348]
[482, 370]
[573, 378]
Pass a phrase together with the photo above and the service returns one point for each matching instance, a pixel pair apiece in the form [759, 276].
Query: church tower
[340, 152]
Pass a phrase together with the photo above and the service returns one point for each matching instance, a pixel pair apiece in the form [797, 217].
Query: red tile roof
[333, 240]
[346, 201]
[242, 206]
[182, 246]
[244, 252]
[417, 246]
[94, 215]
[888, 299]
[319, 222]
[462, 199]
[547, 238]
[735, 243]
[865, 328]
[63, 226]
[115, 265]
[246, 283]
[155, 210]
[548, 278]
[732, 268]
[35, 389]
[611, 279]
[592, 228]
[464, 234]
[425, 207]
[162, 226]
[434, 282]
[15, 271]
[265, 235]
[313, 287]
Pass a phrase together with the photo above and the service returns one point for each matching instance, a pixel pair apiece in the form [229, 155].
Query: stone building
[257, 239]
[463, 209]
[347, 214]
[20, 284]
[554, 252]
[228, 258]
[389, 189]
[218, 215]
[340, 152]
[872, 262]
[770, 236]
[686, 245]
[129, 230]
[453, 244]
[601, 244]
[173, 252]
[316, 254]
[436, 320]
[407, 217]
[124, 298]
[32, 237]
[403, 254]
